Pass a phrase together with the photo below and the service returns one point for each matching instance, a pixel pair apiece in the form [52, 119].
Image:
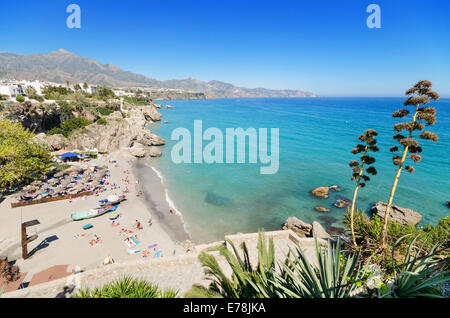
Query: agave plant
[418, 274]
[127, 287]
[244, 276]
[334, 276]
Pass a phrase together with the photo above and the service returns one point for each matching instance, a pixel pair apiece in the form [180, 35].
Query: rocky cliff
[121, 132]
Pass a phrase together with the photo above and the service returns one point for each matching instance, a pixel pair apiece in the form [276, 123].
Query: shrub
[368, 231]
[127, 287]
[4, 97]
[105, 111]
[22, 159]
[20, 98]
[102, 121]
[66, 108]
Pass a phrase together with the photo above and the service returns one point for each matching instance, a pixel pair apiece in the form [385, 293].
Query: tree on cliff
[419, 94]
[370, 145]
[21, 158]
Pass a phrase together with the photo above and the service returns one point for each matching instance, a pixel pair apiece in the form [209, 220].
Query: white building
[12, 91]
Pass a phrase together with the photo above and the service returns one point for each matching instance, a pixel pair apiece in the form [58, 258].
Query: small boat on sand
[112, 200]
[93, 213]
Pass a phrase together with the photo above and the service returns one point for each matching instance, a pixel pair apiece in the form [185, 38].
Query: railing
[52, 199]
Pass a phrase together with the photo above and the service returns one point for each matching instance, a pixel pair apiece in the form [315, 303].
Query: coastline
[155, 197]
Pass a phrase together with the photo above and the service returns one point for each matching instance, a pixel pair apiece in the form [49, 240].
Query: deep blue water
[316, 136]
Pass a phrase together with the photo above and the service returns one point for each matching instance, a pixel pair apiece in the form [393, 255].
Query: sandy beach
[62, 241]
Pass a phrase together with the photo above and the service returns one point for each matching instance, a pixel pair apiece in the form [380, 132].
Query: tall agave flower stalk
[369, 145]
[419, 95]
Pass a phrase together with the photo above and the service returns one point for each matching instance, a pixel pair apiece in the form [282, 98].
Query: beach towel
[134, 241]
[131, 252]
[152, 246]
[128, 243]
[158, 254]
[87, 226]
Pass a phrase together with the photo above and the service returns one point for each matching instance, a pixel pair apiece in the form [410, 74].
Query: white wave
[169, 199]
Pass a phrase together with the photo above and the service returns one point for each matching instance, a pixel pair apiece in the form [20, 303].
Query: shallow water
[316, 136]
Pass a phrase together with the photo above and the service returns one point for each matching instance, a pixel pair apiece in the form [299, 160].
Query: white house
[12, 91]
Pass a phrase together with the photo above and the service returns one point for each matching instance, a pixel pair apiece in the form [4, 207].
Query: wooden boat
[112, 200]
[93, 213]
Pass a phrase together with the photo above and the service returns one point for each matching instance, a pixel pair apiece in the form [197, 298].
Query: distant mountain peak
[62, 51]
[61, 65]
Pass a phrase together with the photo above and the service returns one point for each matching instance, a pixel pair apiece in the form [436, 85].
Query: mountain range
[61, 66]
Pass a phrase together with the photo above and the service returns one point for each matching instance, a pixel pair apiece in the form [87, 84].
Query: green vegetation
[20, 98]
[56, 92]
[69, 126]
[336, 274]
[105, 111]
[138, 100]
[32, 94]
[4, 97]
[66, 107]
[419, 94]
[102, 121]
[21, 158]
[368, 231]
[127, 287]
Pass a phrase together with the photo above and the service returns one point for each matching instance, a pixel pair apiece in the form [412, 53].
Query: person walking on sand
[150, 222]
[171, 211]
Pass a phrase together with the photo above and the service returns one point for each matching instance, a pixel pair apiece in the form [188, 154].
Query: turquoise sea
[316, 136]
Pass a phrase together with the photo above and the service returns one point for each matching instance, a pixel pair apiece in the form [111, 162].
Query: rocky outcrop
[321, 192]
[342, 203]
[299, 227]
[318, 231]
[129, 132]
[35, 116]
[147, 138]
[152, 114]
[322, 209]
[154, 152]
[303, 229]
[138, 151]
[397, 214]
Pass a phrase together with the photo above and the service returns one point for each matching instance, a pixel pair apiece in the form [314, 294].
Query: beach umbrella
[52, 273]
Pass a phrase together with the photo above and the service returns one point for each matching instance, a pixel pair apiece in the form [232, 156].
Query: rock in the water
[335, 231]
[218, 200]
[322, 209]
[319, 232]
[335, 188]
[154, 152]
[342, 203]
[320, 192]
[397, 214]
[299, 227]
[448, 203]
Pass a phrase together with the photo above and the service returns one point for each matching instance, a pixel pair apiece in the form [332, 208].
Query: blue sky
[320, 46]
